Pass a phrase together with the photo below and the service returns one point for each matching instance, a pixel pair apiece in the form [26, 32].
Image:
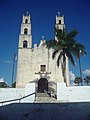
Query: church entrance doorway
[42, 85]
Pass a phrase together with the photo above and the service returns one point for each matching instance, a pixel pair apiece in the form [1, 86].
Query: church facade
[38, 79]
[35, 64]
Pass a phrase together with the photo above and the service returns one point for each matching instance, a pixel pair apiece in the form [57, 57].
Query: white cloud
[87, 72]
[72, 75]
[1, 79]
[7, 61]
[15, 57]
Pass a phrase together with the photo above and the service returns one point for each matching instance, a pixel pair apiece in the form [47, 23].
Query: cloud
[72, 75]
[7, 61]
[87, 72]
[10, 62]
[15, 57]
[1, 79]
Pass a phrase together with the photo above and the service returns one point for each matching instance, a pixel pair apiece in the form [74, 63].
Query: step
[42, 95]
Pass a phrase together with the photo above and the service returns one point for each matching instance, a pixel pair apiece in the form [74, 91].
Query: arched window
[26, 21]
[60, 30]
[43, 68]
[25, 31]
[25, 44]
[59, 21]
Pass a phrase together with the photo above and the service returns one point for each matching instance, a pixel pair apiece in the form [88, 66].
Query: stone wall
[73, 93]
[7, 94]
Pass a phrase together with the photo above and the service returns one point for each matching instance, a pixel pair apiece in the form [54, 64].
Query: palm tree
[87, 79]
[77, 80]
[3, 85]
[80, 50]
[14, 85]
[64, 46]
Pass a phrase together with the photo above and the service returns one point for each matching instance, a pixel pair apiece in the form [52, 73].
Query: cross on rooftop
[27, 13]
[58, 13]
[42, 37]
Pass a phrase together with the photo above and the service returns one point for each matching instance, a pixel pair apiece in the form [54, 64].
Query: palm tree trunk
[64, 68]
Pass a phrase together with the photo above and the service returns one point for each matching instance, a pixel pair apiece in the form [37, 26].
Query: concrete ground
[45, 111]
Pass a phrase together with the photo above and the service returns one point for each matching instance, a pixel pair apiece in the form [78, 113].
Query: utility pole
[13, 66]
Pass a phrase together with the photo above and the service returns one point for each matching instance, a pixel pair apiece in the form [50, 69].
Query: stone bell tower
[25, 38]
[24, 51]
[59, 22]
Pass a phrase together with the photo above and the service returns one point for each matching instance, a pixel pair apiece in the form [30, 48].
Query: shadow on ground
[48, 111]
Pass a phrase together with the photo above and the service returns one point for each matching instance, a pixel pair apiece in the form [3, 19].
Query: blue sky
[77, 15]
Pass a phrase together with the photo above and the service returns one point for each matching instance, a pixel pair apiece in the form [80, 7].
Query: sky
[42, 12]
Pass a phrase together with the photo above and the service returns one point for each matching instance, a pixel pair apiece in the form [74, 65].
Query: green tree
[65, 46]
[14, 85]
[80, 51]
[87, 79]
[3, 85]
[77, 80]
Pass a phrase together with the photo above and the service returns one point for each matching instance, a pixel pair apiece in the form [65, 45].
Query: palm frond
[54, 53]
[59, 58]
[70, 57]
[66, 45]
[80, 50]
[49, 44]
[59, 34]
[72, 34]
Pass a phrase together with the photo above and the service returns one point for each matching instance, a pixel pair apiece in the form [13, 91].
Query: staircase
[44, 98]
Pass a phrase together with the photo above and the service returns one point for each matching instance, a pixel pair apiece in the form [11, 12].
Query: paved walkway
[45, 98]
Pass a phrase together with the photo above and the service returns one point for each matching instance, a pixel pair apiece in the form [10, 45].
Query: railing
[18, 99]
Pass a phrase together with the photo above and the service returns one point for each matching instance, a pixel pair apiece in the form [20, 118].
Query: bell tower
[59, 21]
[24, 52]
[59, 24]
[25, 37]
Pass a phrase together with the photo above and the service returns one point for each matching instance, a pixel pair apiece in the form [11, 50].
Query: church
[35, 64]
[38, 79]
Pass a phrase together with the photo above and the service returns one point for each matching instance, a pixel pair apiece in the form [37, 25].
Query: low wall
[7, 94]
[73, 93]
[64, 94]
